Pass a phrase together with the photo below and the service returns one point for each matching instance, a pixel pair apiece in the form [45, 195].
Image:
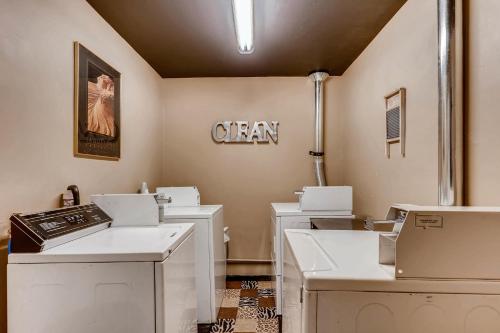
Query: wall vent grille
[392, 122]
[395, 120]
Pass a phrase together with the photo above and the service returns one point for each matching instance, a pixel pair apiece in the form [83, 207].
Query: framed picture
[97, 107]
[395, 120]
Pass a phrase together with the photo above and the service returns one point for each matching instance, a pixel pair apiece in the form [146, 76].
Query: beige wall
[404, 54]
[245, 178]
[36, 113]
[483, 103]
[36, 141]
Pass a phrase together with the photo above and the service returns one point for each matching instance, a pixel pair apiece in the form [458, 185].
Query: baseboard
[249, 261]
[249, 269]
[204, 328]
[3, 286]
[249, 278]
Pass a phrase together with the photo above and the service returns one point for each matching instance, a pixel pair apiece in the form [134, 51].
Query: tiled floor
[248, 306]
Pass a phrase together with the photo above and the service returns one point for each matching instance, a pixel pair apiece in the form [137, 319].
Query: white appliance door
[285, 222]
[210, 264]
[276, 257]
[219, 251]
[204, 268]
[81, 298]
[175, 281]
[379, 312]
[275, 240]
[292, 290]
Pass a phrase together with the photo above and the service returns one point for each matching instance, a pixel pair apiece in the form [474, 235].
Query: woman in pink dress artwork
[101, 118]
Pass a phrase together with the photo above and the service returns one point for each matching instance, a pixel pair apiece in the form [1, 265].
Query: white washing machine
[119, 279]
[184, 207]
[333, 281]
[315, 202]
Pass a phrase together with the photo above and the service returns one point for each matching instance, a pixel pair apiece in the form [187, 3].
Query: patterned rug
[248, 306]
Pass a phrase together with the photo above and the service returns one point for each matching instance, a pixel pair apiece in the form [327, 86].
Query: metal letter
[227, 131]
[272, 131]
[242, 133]
[256, 133]
[227, 127]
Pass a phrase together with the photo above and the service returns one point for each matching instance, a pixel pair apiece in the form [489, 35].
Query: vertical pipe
[318, 154]
[450, 102]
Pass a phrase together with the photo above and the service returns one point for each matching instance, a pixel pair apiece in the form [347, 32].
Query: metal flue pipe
[450, 123]
[318, 153]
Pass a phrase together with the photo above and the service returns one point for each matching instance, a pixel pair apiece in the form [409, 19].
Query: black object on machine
[76, 194]
[325, 223]
[40, 231]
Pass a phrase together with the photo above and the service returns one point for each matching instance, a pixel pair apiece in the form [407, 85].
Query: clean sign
[261, 132]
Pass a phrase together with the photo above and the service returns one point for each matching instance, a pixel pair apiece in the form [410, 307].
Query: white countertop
[346, 260]
[115, 244]
[292, 209]
[194, 212]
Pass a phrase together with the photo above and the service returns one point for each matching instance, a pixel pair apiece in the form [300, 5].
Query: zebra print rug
[248, 306]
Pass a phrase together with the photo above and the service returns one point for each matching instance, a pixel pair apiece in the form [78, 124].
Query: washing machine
[437, 272]
[79, 270]
[182, 205]
[332, 202]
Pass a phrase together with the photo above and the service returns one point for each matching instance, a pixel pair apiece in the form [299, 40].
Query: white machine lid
[195, 212]
[348, 261]
[292, 209]
[115, 244]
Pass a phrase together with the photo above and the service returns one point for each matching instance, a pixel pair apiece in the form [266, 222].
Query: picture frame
[97, 125]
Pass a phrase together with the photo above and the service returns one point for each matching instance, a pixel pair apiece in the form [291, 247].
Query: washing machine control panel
[54, 227]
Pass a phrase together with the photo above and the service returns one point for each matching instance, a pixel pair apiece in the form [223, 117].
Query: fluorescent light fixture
[243, 23]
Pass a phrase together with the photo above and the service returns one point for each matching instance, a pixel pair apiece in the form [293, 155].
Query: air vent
[395, 105]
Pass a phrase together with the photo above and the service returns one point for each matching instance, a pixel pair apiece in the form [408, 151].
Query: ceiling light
[243, 23]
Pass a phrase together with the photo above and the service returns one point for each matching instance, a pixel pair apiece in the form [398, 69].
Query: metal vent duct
[318, 153]
[450, 48]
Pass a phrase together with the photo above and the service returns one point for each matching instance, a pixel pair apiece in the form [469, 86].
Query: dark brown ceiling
[193, 38]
